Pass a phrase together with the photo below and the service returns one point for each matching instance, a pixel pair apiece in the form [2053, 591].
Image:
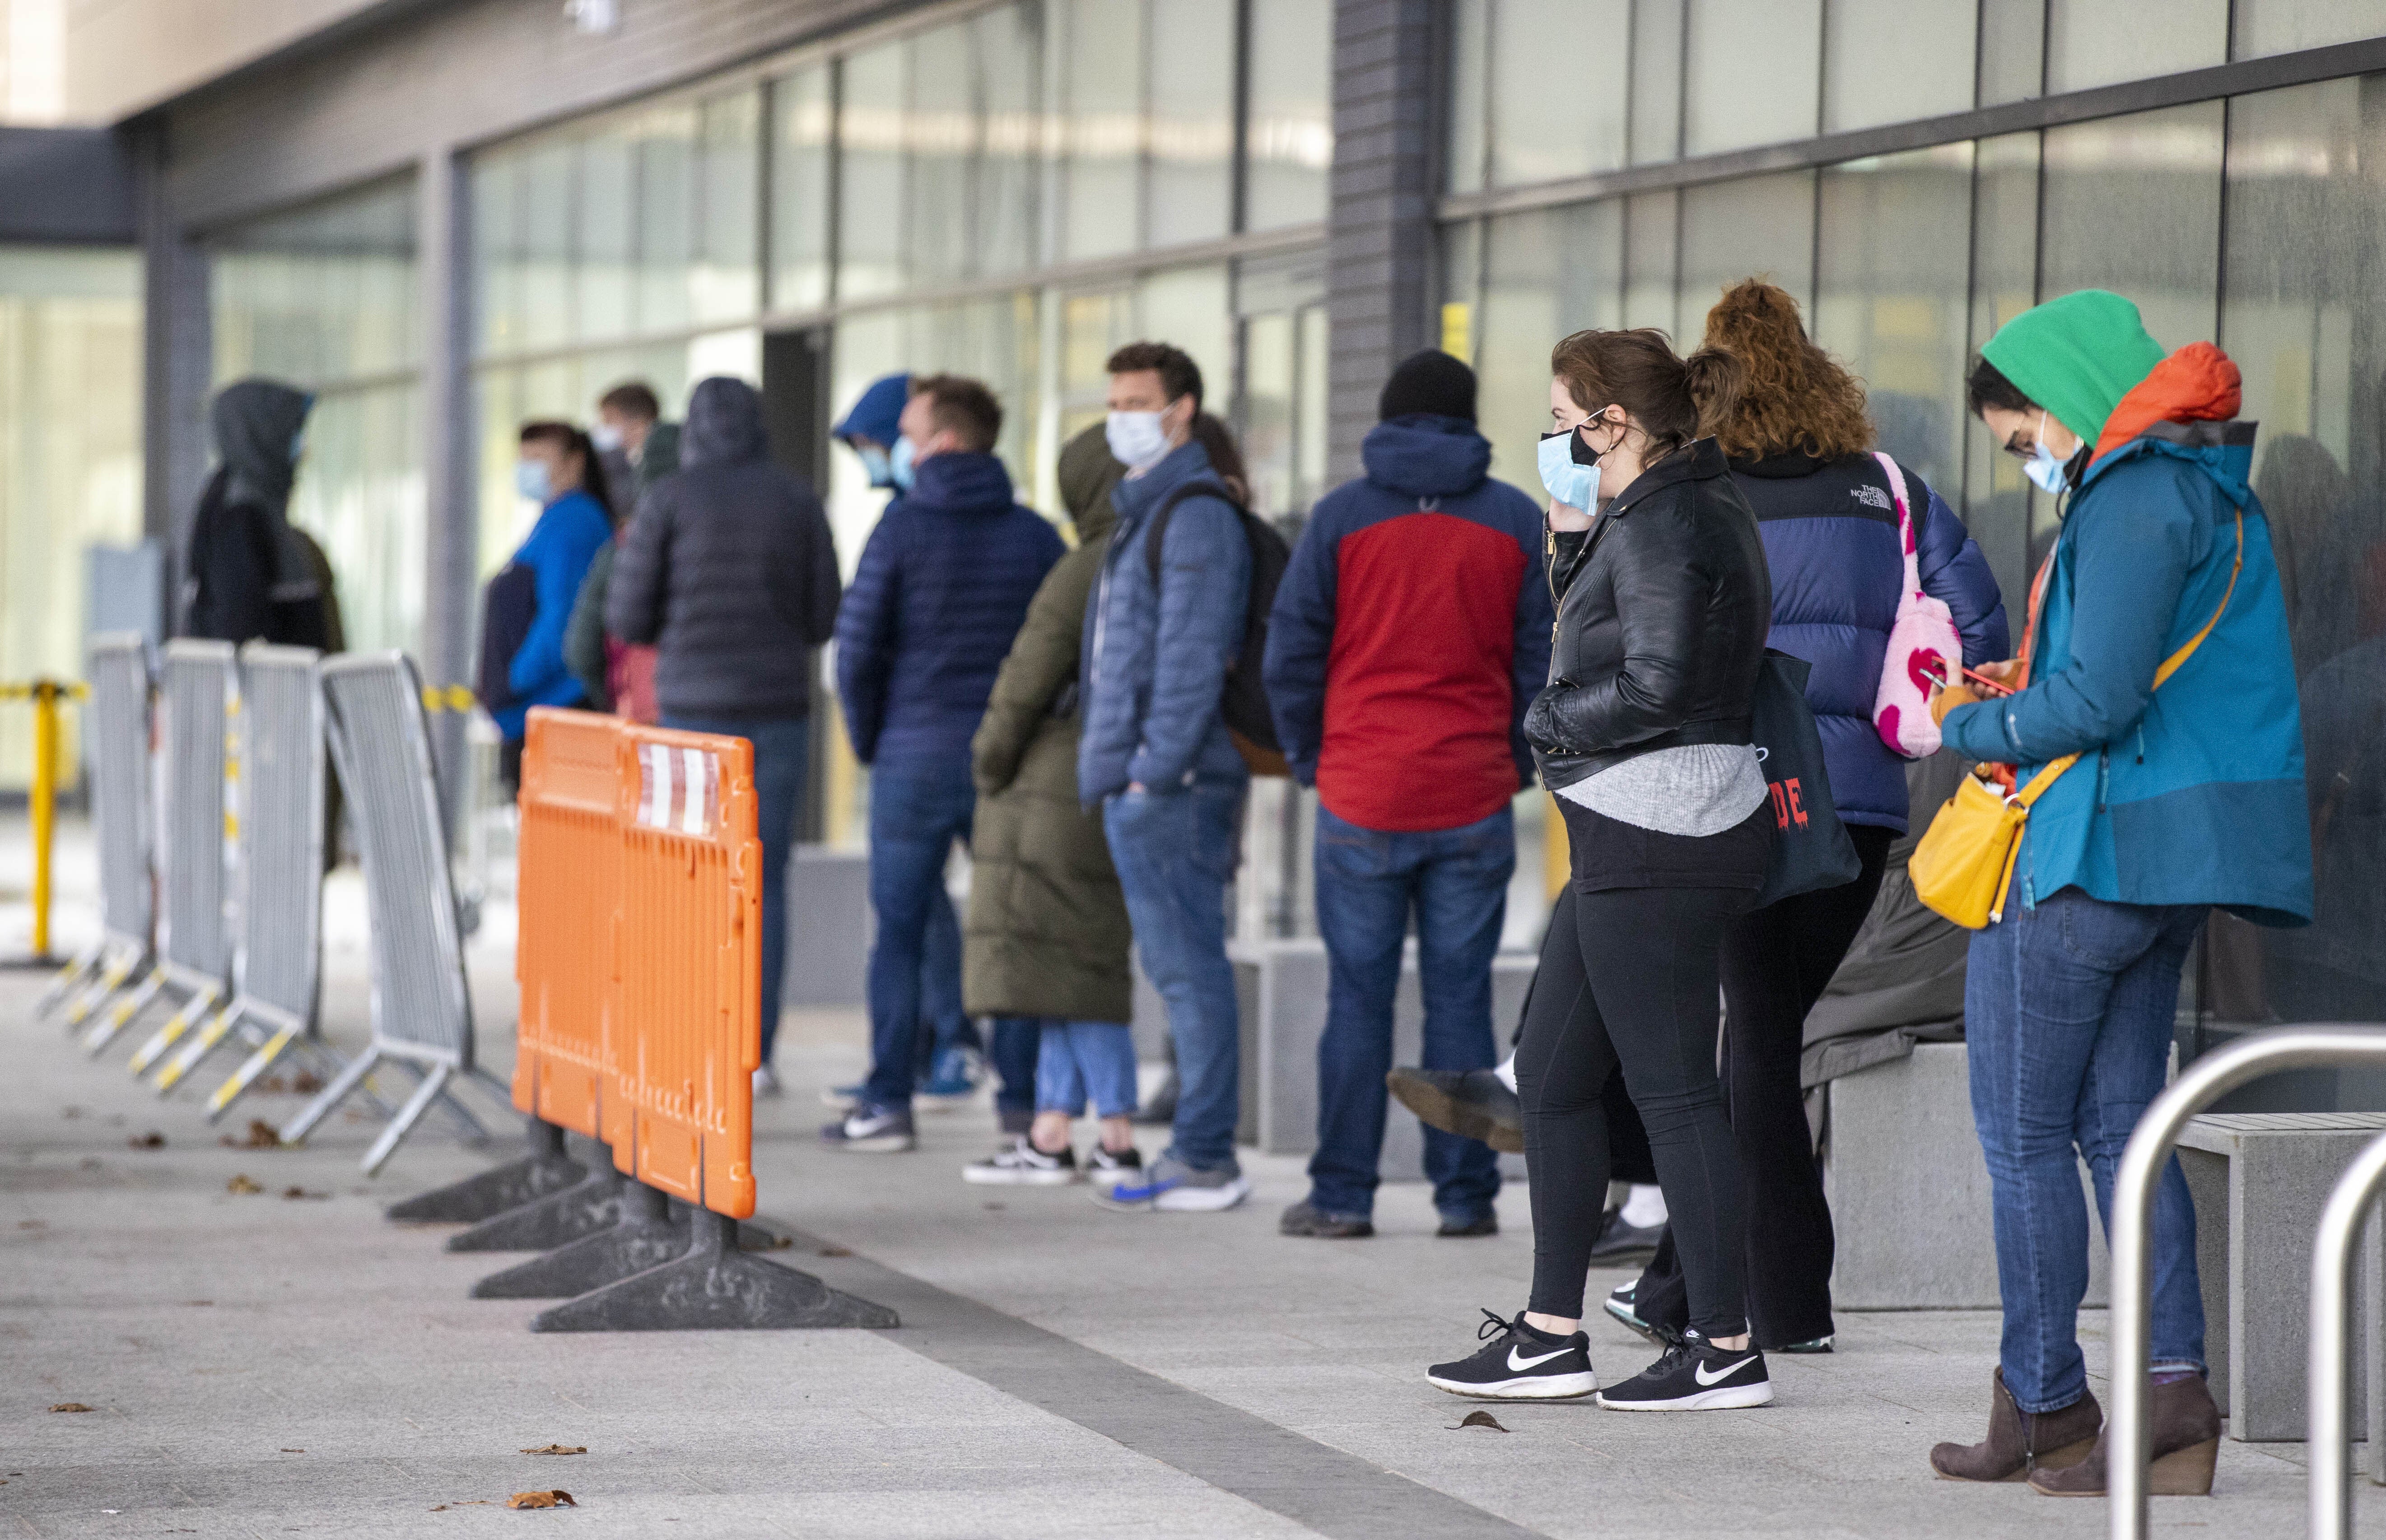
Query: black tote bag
[1811, 848]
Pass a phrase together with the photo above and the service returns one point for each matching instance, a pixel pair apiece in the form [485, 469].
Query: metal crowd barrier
[278, 961]
[201, 689]
[2129, 1430]
[115, 734]
[2328, 1383]
[640, 965]
[422, 1010]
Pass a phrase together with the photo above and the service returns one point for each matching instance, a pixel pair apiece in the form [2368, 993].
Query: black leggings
[1644, 960]
[1776, 962]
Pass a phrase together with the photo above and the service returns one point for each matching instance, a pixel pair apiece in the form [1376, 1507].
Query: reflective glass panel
[2094, 43]
[606, 236]
[1469, 95]
[359, 493]
[1191, 119]
[1656, 87]
[727, 285]
[2133, 205]
[1102, 130]
[872, 191]
[2283, 26]
[1890, 301]
[1008, 217]
[799, 186]
[1893, 60]
[1997, 496]
[1761, 227]
[545, 239]
[1558, 90]
[670, 214]
[322, 294]
[1289, 137]
[941, 133]
[1753, 71]
[2013, 51]
[1546, 273]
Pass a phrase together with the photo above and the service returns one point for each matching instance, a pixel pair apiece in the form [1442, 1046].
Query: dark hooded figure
[729, 570]
[247, 572]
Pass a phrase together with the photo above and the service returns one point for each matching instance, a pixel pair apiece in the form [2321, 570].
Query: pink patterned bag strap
[1904, 527]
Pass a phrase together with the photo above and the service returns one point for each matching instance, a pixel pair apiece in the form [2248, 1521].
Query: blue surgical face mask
[2051, 475]
[530, 480]
[901, 466]
[1570, 469]
[1136, 440]
[875, 465]
[298, 445]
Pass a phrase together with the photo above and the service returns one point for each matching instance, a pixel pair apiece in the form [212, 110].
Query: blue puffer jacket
[568, 534]
[1155, 664]
[1830, 529]
[941, 590]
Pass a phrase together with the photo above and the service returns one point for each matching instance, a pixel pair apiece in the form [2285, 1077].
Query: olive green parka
[1046, 932]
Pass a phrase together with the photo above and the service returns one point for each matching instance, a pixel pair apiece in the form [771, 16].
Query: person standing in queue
[529, 604]
[1799, 441]
[1644, 734]
[730, 572]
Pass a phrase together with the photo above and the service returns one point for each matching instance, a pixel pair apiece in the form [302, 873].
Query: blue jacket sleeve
[1301, 639]
[558, 557]
[2129, 562]
[865, 637]
[1536, 628]
[1205, 583]
[1954, 570]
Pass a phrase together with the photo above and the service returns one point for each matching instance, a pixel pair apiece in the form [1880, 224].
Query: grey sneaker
[871, 1130]
[1620, 1245]
[766, 1081]
[1307, 1218]
[1174, 1187]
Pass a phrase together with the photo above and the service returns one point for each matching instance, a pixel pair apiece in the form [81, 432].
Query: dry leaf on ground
[151, 1140]
[301, 1192]
[261, 1135]
[305, 1084]
[70, 1406]
[559, 1449]
[294, 1452]
[241, 1184]
[558, 1497]
[1480, 1419]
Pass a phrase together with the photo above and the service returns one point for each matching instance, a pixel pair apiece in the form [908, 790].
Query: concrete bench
[2260, 1180]
[1909, 1190]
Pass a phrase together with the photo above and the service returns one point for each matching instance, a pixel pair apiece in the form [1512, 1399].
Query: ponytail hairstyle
[1799, 398]
[569, 440]
[1674, 400]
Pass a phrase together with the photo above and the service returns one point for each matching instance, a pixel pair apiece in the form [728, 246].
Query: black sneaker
[1620, 1245]
[1465, 1226]
[1519, 1364]
[1695, 1375]
[1307, 1218]
[1108, 1168]
[1620, 1308]
[1020, 1164]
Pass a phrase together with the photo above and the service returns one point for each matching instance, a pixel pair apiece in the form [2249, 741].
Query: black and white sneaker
[1020, 1164]
[1695, 1375]
[1108, 1168]
[1518, 1363]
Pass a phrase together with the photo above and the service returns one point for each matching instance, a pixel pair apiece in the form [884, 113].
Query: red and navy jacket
[1411, 632]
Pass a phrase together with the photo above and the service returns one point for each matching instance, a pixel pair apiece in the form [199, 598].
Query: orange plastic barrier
[569, 903]
[688, 966]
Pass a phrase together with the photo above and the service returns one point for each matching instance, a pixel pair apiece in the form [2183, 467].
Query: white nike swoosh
[1700, 1371]
[1516, 1363]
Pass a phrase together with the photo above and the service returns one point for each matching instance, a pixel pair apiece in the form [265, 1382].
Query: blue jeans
[1455, 880]
[1018, 1059]
[2068, 1013]
[941, 1015]
[1174, 851]
[1083, 1060]
[782, 753]
[917, 811]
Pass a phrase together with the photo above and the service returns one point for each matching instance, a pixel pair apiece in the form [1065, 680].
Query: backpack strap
[1201, 486]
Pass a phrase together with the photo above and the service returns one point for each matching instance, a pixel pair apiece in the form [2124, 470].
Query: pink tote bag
[1925, 649]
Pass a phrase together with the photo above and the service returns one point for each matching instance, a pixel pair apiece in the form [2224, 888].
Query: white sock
[1646, 1207]
[1507, 1071]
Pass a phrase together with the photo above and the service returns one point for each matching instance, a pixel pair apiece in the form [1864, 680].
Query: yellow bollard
[43, 806]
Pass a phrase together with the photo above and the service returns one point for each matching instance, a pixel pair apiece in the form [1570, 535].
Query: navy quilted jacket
[1830, 537]
[941, 591]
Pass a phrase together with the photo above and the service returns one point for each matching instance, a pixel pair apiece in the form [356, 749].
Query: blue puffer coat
[940, 592]
[1830, 529]
[1155, 664]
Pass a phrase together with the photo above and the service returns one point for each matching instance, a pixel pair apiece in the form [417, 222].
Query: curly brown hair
[1799, 397]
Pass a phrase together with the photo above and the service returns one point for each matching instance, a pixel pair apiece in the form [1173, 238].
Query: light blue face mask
[875, 465]
[530, 480]
[899, 465]
[1570, 482]
[2051, 475]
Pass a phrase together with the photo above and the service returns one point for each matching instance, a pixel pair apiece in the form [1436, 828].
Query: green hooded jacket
[1046, 932]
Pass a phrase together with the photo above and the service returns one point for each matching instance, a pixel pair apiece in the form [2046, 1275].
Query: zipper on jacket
[2141, 740]
[2103, 775]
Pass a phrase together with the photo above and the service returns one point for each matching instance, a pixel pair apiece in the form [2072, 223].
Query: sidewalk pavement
[262, 1364]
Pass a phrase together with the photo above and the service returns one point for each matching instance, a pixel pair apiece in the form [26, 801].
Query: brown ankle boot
[2186, 1441]
[2020, 1441]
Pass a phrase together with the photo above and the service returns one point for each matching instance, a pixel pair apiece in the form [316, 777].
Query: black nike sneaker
[1520, 1364]
[1695, 1375]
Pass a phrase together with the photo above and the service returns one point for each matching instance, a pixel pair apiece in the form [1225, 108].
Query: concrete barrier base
[546, 1169]
[714, 1287]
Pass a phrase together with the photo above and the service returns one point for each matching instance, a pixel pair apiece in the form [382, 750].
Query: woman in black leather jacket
[1643, 734]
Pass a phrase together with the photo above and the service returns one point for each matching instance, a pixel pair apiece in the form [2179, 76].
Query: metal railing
[2128, 1431]
[2329, 1385]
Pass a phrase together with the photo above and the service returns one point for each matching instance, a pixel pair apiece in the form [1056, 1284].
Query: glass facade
[325, 298]
[69, 460]
[2253, 220]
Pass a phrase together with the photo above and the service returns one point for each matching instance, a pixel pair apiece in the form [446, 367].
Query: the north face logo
[1872, 497]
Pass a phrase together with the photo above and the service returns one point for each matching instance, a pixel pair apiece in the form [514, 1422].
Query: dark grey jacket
[728, 567]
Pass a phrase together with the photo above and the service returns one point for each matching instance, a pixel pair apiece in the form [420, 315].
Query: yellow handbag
[1964, 865]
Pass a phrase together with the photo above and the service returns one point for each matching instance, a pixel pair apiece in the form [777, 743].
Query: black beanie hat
[1429, 382]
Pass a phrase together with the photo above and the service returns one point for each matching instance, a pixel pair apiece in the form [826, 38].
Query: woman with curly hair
[1798, 441]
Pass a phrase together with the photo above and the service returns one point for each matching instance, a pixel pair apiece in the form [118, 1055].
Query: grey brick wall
[1379, 254]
